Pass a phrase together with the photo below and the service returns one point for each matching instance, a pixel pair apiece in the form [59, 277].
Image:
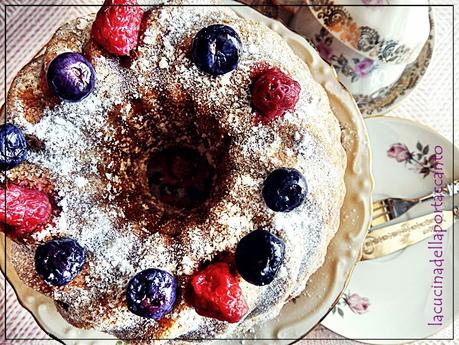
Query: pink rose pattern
[363, 67]
[356, 303]
[400, 152]
[352, 68]
[325, 51]
[418, 160]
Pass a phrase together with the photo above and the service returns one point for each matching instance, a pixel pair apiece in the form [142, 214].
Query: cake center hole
[180, 177]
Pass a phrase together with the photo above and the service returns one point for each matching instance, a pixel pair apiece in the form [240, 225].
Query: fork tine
[380, 217]
[379, 220]
[379, 207]
[386, 213]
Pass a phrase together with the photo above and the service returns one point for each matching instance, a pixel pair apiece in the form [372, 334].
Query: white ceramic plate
[326, 285]
[398, 286]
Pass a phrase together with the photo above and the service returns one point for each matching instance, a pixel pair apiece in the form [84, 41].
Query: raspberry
[25, 209]
[216, 294]
[116, 28]
[274, 93]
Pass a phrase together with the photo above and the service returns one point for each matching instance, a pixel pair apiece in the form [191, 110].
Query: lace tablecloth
[29, 28]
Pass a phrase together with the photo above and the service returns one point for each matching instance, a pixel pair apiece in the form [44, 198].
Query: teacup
[359, 73]
[390, 34]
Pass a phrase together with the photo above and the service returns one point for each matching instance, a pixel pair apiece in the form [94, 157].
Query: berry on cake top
[13, 146]
[71, 77]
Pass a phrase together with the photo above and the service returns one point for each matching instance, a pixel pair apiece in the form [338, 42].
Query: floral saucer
[389, 300]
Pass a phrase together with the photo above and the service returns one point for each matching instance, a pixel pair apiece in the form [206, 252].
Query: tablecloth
[28, 28]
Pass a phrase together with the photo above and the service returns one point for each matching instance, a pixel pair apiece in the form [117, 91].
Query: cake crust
[91, 157]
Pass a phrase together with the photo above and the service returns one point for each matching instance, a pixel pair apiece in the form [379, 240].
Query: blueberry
[216, 49]
[58, 262]
[259, 256]
[13, 146]
[284, 190]
[151, 293]
[71, 77]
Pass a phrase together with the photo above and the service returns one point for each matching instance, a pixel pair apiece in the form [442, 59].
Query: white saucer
[398, 286]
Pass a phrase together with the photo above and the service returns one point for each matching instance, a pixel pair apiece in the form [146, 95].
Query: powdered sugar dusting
[95, 155]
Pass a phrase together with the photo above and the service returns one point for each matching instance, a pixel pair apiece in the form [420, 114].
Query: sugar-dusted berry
[284, 189]
[71, 77]
[259, 256]
[216, 49]
[151, 293]
[13, 146]
[274, 93]
[117, 26]
[58, 262]
[216, 294]
[25, 209]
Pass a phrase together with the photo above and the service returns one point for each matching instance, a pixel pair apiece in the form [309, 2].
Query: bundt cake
[172, 172]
